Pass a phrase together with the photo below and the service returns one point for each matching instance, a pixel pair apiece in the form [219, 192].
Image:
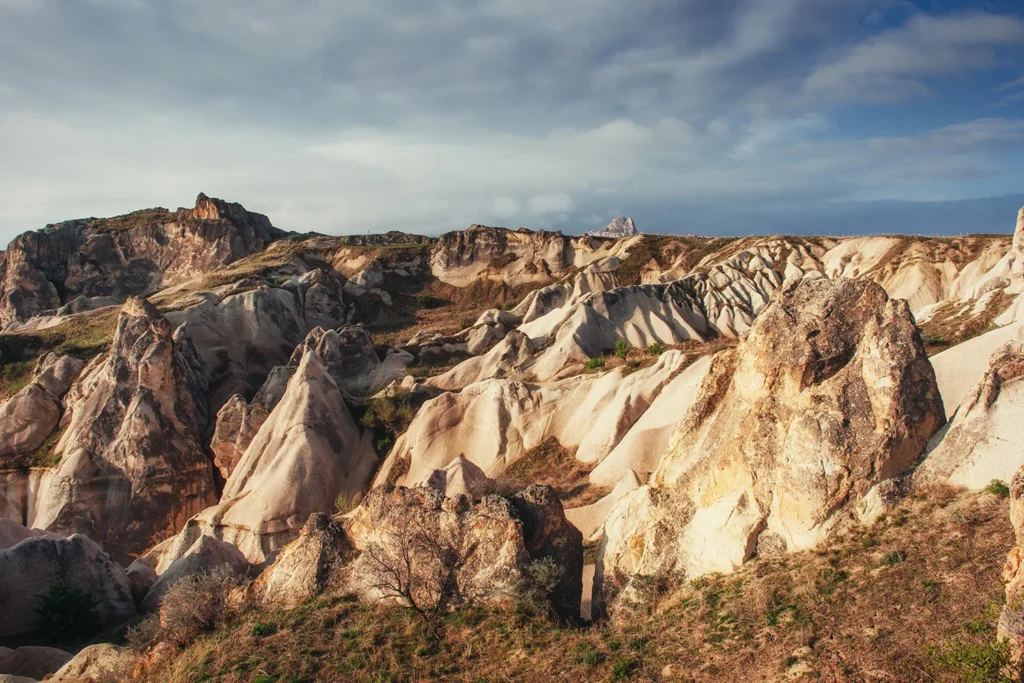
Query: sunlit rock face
[830, 393]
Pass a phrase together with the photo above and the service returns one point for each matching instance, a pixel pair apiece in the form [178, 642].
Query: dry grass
[953, 323]
[553, 464]
[913, 598]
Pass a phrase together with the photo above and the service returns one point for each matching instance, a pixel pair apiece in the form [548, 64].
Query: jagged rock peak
[1018, 237]
[621, 226]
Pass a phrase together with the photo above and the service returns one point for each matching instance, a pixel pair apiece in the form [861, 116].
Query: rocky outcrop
[132, 468]
[32, 662]
[399, 540]
[29, 417]
[134, 254]
[830, 393]
[494, 423]
[238, 422]
[307, 454]
[244, 331]
[100, 663]
[203, 557]
[30, 568]
[515, 257]
[1011, 621]
[620, 227]
[984, 440]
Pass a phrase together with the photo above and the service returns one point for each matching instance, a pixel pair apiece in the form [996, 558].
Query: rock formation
[98, 664]
[1011, 621]
[984, 440]
[132, 468]
[307, 454]
[620, 227]
[396, 543]
[30, 568]
[31, 415]
[203, 557]
[830, 393]
[129, 255]
[32, 662]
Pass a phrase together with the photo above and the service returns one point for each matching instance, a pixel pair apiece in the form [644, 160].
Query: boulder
[132, 467]
[12, 533]
[984, 440]
[103, 663]
[460, 477]
[205, 555]
[830, 394]
[32, 662]
[29, 417]
[33, 566]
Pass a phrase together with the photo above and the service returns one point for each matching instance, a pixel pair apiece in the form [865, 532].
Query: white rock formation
[620, 227]
[830, 393]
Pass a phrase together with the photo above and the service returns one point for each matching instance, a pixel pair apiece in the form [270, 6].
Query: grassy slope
[913, 598]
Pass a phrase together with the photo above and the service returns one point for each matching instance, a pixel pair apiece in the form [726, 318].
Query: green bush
[997, 487]
[656, 349]
[622, 348]
[66, 615]
[427, 301]
[595, 363]
[264, 628]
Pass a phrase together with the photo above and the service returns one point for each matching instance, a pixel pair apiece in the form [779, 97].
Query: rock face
[418, 532]
[31, 567]
[31, 415]
[132, 467]
[494, 423]
[245, 331]
[620, 227]
[984, 440]
[205, 555]
[129, 255]
[98, 664]
[307, 454]
[1011, 621]
[32, 662]
[830, 393]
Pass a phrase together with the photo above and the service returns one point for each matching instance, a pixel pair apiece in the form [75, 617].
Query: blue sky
[693, 116]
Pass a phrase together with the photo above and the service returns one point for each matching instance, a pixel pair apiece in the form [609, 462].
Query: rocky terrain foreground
[230, 452]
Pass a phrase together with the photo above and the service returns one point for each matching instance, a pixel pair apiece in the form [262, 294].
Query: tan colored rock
[103, 663]
[830, 393]
[31, 567]
[238, 421]
[32, 662]
[460, 478]
[12, 533]
[1011, 621]
[132, 467]
[984, 441]
[29, 417]
[307, 454]
[203, 557]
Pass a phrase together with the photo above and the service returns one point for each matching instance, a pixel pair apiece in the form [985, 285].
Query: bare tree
[421, 570]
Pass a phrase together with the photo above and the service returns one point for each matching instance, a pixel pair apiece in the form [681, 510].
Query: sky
[717, 117]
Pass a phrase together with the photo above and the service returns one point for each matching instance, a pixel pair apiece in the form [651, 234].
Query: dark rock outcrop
[133, 254]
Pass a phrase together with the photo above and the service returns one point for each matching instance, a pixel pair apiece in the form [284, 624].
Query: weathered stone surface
[129, 255]
[307, 454]
[132, 467]
[29, 417]
[31, 661]
[31, 567]
[101, 663]
[984, 441]
[830, 393]
[203, 557]
[1011, 621]
[488, 545]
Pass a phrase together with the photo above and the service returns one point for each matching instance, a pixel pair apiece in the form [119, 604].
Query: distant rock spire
[621, 226]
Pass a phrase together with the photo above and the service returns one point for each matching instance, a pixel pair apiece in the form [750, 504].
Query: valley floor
[915, 597]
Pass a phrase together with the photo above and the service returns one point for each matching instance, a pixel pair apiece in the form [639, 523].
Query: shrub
[587, 654]
[656, 349]
[466, 322]
[622, 348]
[535, 588]
[894, 557]
[997, 487]
[196, 605]
[263, 628]
[595, 363]
[427, 301]
[624, 667]
[66, 615]
[344, 503]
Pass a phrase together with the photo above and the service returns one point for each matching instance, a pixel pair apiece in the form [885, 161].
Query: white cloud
[894, 64]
